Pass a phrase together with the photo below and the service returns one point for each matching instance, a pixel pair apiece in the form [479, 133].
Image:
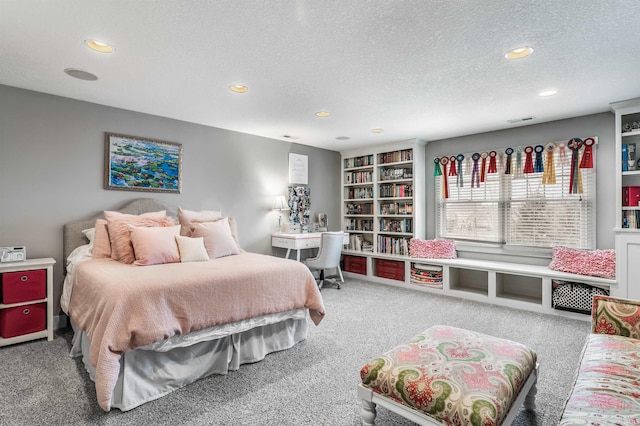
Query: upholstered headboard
[73, 236]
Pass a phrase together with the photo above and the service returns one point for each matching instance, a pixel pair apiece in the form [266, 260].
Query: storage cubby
[469, 280]
[519, 287]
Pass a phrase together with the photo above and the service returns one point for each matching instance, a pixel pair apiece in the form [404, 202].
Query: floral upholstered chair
[607, 386]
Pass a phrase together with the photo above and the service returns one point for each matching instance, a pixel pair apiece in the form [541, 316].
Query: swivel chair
[328, 256]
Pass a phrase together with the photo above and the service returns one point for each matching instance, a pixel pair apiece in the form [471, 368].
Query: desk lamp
[280, 204]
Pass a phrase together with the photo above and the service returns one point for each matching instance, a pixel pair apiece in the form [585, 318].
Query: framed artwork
[298, 169]
[141, 164]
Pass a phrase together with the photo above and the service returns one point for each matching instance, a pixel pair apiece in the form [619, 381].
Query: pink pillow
[186, 217]
[155, 245]
[432, 249]
[101, 244]
[595, 263]
[120, 237]
[218, 239]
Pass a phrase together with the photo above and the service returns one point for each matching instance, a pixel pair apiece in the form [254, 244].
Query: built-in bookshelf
[382, 208]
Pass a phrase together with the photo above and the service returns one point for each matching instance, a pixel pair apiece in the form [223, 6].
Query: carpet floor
[312, 383]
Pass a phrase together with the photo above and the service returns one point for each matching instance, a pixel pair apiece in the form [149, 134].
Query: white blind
[521, 209]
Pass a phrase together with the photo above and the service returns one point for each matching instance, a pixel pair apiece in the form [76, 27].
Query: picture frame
[135, 163]
[298, 168]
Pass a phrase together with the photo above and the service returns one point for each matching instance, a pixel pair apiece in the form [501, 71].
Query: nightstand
[26, 300]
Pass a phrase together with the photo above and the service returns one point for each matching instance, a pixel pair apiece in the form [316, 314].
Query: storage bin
[574, 297]
[24, 319]
[24, 286]
[355, 264]
[391, 269]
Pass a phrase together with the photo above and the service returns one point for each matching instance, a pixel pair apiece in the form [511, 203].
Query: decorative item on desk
[323, 222]
[280, 205]
[300, 205]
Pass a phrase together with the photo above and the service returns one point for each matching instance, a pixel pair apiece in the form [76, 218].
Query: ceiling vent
[520, 120]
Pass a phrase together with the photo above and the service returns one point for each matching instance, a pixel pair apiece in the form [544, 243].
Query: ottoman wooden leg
[530, 400]
[367, 407]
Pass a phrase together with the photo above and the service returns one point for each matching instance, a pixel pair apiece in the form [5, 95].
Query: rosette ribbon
[587, 155]
[575, 183]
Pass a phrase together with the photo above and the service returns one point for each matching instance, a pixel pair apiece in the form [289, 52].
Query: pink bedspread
[122, 307]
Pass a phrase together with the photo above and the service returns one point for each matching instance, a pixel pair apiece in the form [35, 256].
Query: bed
[144, 331]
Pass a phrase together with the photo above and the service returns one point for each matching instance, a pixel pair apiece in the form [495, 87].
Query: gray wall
[600, 125]
[51, 172]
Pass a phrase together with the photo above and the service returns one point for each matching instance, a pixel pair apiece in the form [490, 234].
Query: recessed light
[547, 93]
[99, 46]
[343, 138]
[377, 130]
[519, 53]
[82, 75]
[323, 113]
[239, 88]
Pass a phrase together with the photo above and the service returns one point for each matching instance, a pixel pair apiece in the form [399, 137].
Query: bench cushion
[607, 389]
[454, 375]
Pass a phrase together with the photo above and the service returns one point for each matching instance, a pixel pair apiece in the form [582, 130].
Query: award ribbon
[587, 155]
[452, 167]
[437, 171]
[475, 178]
[539, 167]
[460, 157]
[549, 175]
[484, 156]
[563, 153]
[528, 162]
[445, 184]
[518, 173]
[575, 184]
[493, 168]
[507, 169]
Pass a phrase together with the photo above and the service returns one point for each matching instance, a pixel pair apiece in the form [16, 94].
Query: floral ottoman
[447, 375]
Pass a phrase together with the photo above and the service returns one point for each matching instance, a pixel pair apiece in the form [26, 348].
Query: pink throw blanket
[122, 307]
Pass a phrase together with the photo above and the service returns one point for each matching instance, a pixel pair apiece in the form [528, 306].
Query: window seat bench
[516, 285]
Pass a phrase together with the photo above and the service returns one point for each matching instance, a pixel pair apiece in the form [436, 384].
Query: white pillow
[218, 238]
[90, 234]
[191, 249]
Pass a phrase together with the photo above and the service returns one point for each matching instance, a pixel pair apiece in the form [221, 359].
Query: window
[523, 207]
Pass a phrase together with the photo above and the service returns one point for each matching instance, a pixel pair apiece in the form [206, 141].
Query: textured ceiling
[417, 69]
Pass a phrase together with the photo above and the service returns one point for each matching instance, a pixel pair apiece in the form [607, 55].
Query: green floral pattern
[456, 376]
[607, 387]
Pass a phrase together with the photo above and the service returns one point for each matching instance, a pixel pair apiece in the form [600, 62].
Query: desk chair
[328, 255]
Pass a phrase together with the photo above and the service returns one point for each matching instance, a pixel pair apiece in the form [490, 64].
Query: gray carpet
[312, 383]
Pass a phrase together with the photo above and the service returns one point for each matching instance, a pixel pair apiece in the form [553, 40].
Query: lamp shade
[280, 203]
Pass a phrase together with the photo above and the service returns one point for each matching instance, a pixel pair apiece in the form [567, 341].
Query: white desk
[299, 241]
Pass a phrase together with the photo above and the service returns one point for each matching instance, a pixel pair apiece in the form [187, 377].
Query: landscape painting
[140, 164]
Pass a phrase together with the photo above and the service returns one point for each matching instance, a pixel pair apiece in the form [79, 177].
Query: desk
[299, 241]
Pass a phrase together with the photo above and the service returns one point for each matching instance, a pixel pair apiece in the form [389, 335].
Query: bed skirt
[153, 371]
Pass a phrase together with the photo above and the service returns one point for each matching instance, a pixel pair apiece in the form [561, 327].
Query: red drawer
[355, 264]
[24, 286]
[21, 320]
[392, 274]
[390, 264]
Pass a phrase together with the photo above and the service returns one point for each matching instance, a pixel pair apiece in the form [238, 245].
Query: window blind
[520, 208]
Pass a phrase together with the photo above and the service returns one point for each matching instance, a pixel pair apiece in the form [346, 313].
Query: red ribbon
[444, 161]
[587, 155]
[484, 156]
[493, 167]
[528, 162]
[574, 145]
[452, 168]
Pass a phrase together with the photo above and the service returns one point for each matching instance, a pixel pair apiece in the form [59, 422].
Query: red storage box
[24, 286]
[355, 264]
[631, 196]
[24, 319]
[390, 269]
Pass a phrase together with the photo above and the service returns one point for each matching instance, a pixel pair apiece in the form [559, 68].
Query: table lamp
[280, 204]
